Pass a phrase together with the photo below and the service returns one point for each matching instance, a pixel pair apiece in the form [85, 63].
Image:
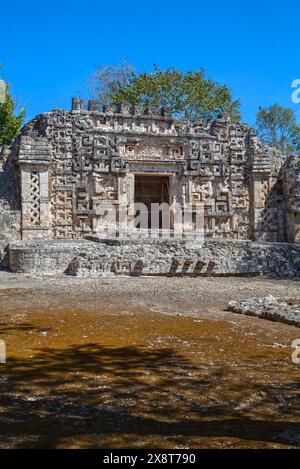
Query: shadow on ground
[96, 396]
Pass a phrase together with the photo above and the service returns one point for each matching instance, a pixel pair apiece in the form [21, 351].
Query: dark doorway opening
[152, 189]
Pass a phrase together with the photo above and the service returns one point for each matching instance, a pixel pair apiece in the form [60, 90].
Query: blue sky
[49, 49]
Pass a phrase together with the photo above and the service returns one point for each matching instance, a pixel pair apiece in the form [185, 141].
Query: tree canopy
[189, 95]
[277, 126]
[10, 123]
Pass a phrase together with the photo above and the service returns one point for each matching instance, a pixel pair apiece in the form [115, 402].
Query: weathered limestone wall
[73, 163]
[290, 180]
[45, 256]
[10, 222]
[10, 213]
[67, 167]
[158, 257]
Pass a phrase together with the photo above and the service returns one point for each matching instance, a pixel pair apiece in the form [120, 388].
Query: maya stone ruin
[67, 169]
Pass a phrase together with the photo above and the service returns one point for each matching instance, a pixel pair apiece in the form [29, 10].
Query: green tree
[10, 123]
[189, 95]
[277, 126]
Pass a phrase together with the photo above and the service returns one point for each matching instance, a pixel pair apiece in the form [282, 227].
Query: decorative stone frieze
[68, 168]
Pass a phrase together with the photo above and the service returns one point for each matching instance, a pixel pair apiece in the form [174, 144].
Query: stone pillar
[256, 206]
[93, 105]
[122, 199]
[293, 227]
[77, 104]
[291, 190]
[130, 199]
[176, 203]
[34, 161]
[297, 227]
[35, 202]
[260, 183]
[188, 212]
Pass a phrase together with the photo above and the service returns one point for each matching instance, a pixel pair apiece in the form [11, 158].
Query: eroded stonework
[69, 166]
[155, 257]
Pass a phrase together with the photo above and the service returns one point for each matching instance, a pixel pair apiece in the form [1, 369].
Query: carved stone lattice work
[93, 160]
[34, 199]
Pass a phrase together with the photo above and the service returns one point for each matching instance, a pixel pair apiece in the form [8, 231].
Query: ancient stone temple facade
[68, 168]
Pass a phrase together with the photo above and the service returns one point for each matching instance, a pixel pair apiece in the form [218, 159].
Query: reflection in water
[79, 378]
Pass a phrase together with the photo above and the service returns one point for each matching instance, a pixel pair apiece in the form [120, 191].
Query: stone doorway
[152, 189]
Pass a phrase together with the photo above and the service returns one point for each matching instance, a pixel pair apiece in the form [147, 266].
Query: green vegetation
[277, 127]
[189, 95]
[10, 123]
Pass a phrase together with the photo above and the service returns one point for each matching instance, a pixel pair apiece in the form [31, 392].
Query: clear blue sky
[49, 48]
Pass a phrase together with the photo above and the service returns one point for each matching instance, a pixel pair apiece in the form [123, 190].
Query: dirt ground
[201, 296]
[145, 362]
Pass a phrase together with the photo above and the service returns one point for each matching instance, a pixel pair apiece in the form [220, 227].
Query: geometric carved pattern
[95, 157]
[34, 198]
[89, 157]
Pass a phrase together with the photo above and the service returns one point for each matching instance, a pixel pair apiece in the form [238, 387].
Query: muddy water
[81, 378]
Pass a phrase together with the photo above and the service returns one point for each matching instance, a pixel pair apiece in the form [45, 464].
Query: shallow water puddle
[112, 378]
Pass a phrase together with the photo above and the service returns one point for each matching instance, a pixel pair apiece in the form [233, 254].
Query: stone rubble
[268, 308]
